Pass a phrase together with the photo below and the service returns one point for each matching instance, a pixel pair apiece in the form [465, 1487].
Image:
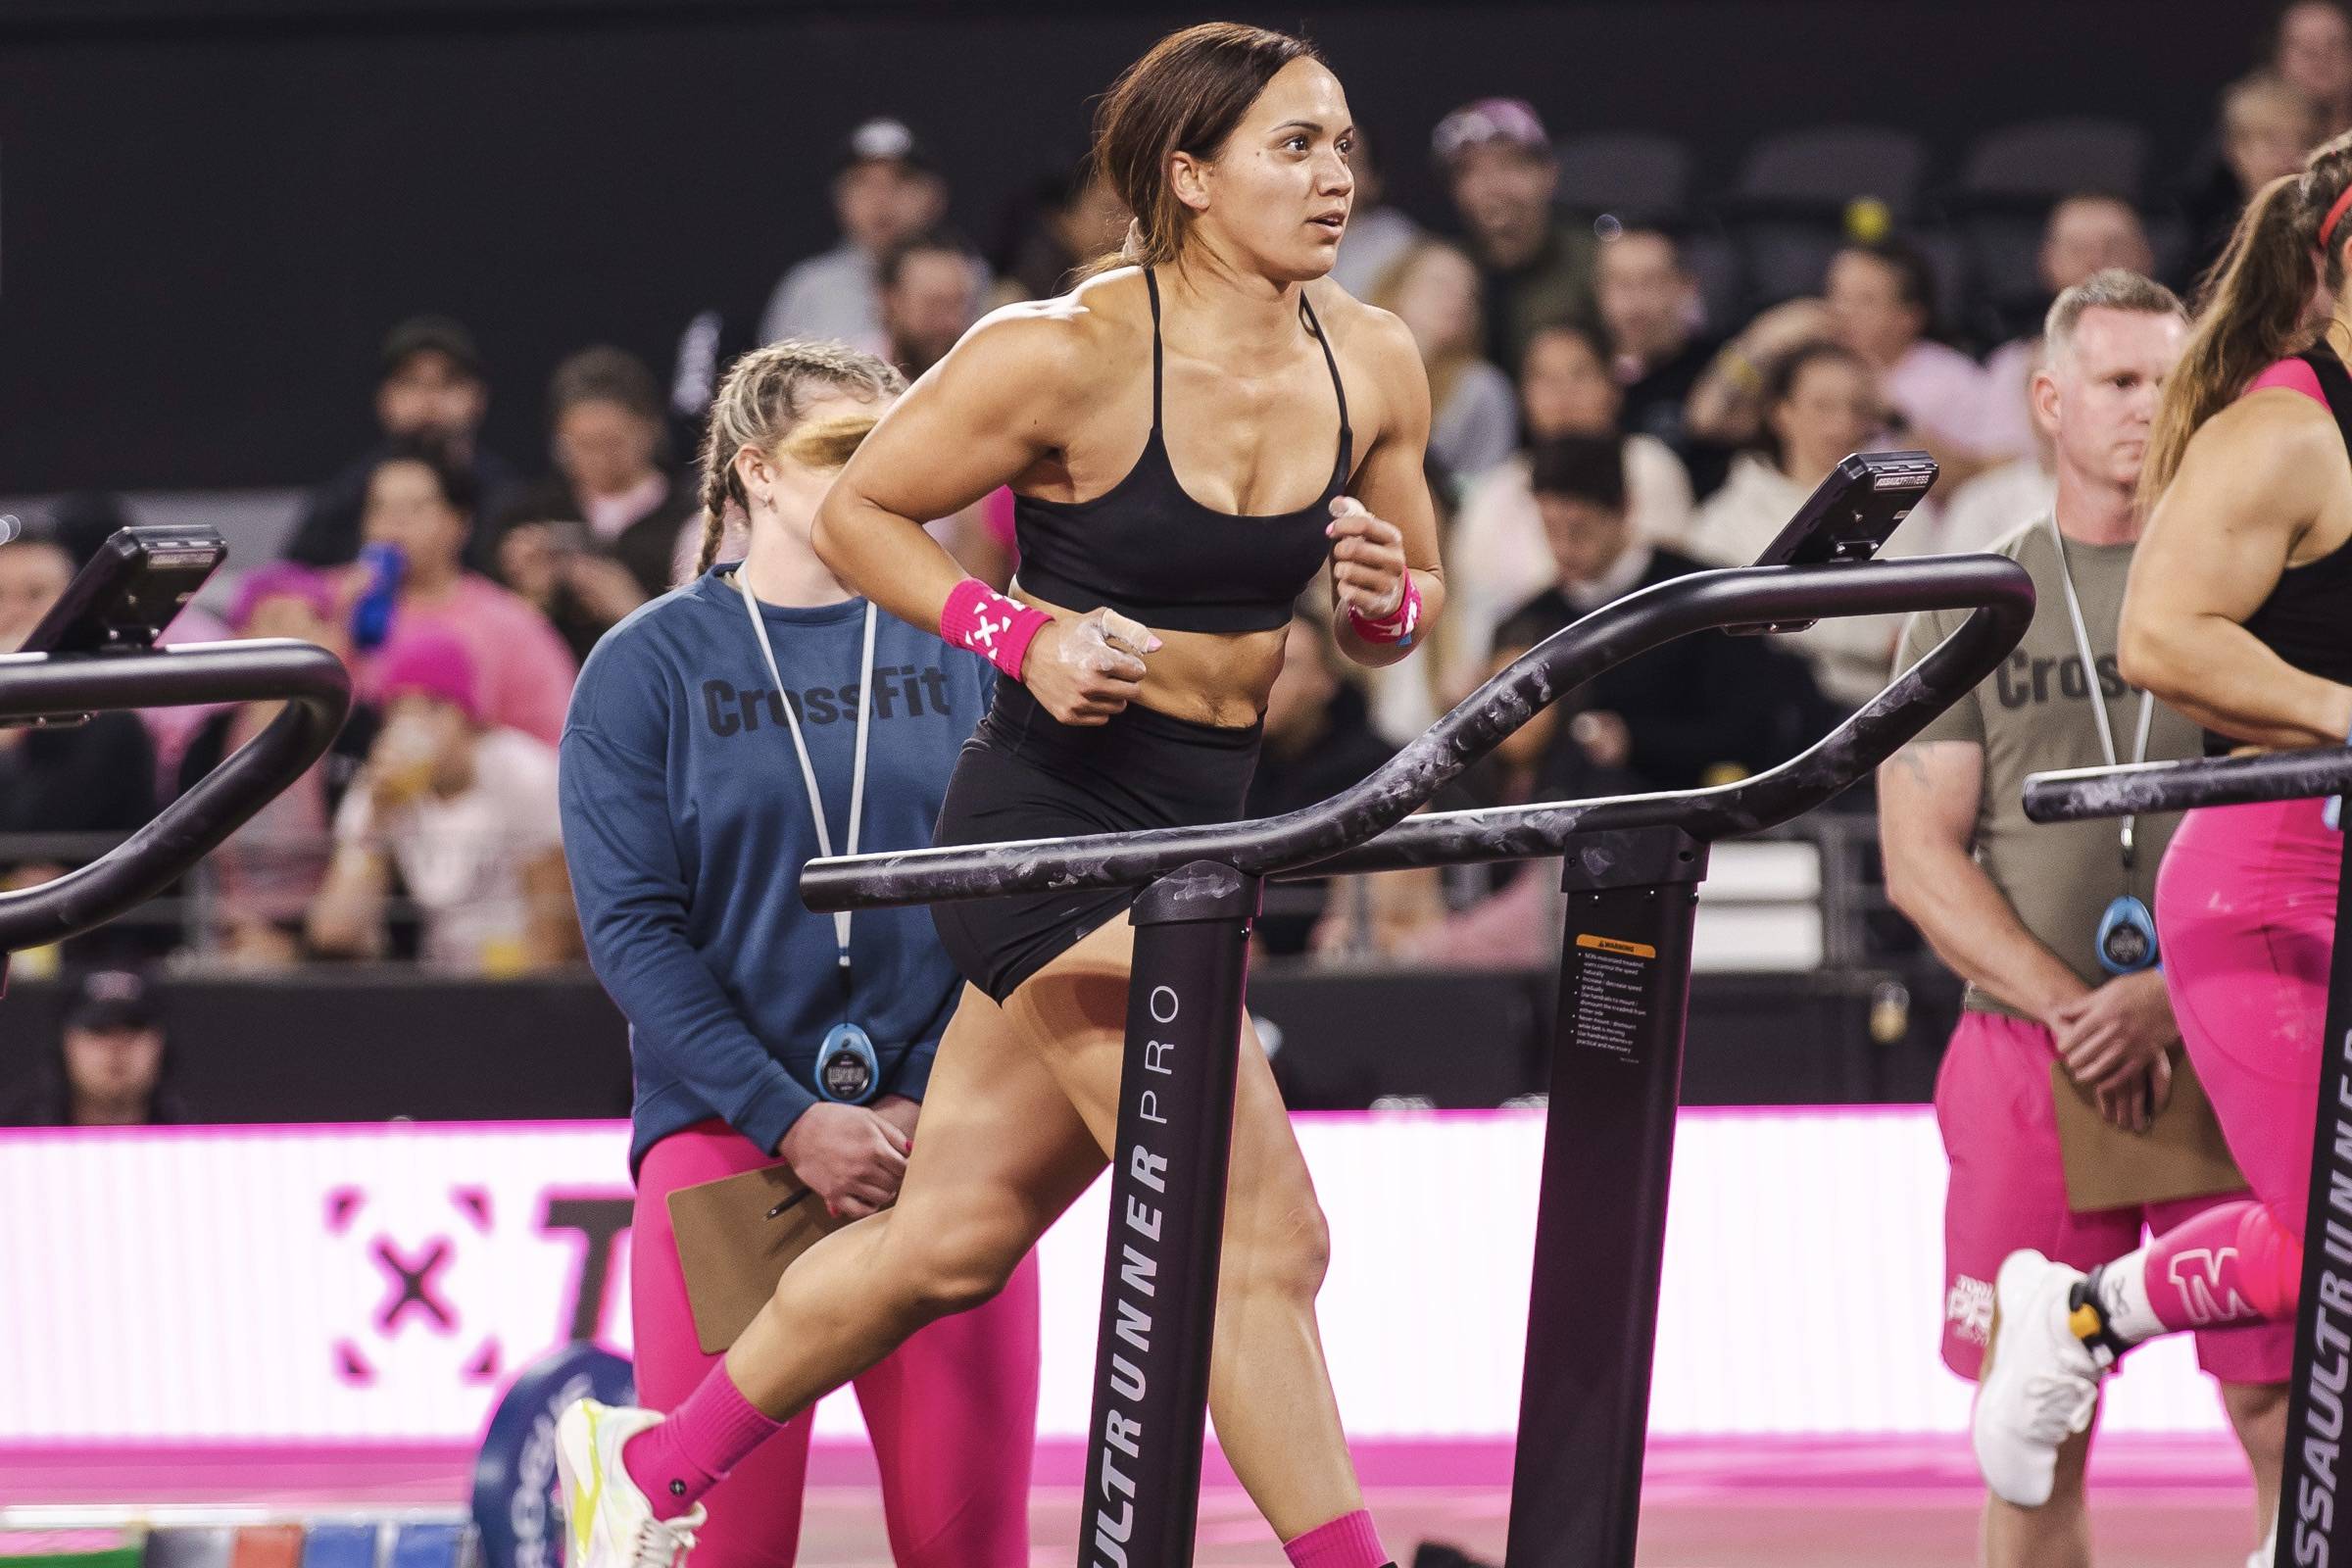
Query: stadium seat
[2053, 158]
[1788, 211]
[1634, 176]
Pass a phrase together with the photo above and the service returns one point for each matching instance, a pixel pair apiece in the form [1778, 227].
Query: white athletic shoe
[612, 1525]
[2038, 1385]
[2269, 1552]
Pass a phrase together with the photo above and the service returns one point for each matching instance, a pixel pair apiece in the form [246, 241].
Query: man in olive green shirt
[1535, 262]
[2017, 909]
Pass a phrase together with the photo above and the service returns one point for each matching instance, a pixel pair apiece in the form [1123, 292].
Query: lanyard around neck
[2099, 697]
[792, 718]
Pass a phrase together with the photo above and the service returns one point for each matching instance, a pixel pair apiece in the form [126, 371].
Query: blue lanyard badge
[2126, 940]
[847, 1067]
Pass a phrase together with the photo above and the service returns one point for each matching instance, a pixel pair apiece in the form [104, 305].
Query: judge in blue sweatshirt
[719, 738]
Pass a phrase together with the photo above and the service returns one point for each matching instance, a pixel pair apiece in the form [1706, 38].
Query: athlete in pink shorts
[2236, 615]
[2017, 908]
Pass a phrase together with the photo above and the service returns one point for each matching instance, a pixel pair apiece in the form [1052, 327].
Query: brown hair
[603, 373]
[2250, 308]
[1185, 95]
[1779, 384]
[759, 403]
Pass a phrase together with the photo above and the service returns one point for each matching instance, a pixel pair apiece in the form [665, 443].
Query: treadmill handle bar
[310, 681]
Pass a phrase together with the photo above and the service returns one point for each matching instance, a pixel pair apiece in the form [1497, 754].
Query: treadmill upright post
[1600, 1220]
[2313, 1508]
[1168, 1218]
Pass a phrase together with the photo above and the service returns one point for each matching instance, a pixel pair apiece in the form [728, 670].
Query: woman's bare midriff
[1214, 678]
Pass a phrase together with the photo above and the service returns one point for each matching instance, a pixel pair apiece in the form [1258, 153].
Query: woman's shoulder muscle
[2267, 472]
[1062, 349]
[2275, 444]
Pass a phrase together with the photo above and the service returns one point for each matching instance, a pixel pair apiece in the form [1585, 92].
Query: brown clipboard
[2182, 1155]
[736, 1235]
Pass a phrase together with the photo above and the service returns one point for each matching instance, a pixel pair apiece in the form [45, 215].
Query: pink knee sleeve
[2234, 1263]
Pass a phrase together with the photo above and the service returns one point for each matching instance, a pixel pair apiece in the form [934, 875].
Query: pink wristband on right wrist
[1398, 625]
[997, 629]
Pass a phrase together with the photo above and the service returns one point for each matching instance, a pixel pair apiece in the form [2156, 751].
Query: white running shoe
[2039, 1382]
[612, 1523]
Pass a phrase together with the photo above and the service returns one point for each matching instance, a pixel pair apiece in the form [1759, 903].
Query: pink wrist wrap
[1398, 625]
[997, 629]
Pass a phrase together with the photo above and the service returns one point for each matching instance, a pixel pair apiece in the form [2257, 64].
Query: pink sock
[2234, 1263]
[695, 1445]
[1349, 1541]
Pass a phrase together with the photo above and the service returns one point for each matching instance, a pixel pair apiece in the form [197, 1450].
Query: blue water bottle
[372, 612]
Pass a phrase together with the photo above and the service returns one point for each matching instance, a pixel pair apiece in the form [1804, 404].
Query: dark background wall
[213, 212]
[363, 1044]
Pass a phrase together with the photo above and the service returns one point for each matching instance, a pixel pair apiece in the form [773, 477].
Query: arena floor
[2159, 1506]
[1865, 1503]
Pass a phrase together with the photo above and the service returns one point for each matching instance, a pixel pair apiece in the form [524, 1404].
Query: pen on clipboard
[777, 1212]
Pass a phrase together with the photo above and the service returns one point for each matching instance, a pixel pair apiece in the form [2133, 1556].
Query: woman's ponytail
[2255, 305]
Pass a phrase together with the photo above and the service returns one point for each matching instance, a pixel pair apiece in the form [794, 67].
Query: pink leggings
[2245, 907]
[953, 1412]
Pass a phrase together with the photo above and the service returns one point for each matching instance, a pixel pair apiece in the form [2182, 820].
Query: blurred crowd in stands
[1629, 383]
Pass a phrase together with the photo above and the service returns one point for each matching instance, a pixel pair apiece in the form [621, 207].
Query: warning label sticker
[1631, 949]
[1612, 993]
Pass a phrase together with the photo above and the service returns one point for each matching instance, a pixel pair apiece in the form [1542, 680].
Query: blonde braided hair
[760, 405]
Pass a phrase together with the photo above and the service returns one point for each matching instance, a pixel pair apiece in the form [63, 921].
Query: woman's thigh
[1074, 1012]
[2246, 905]
[999, 1151]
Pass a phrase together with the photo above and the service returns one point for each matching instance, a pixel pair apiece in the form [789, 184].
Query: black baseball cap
[436, 334]
[112, 1001]
[884, 140]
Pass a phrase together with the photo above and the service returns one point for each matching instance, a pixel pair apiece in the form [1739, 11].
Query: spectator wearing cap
[421, 507]
[1535, 262]
[1882, 300]
[464, 812]
[886, 186]
[111, 1067]
[95, 779]
[432, 388]
[1377, 234]
[84, 521]
[262, 881]
[594, 539]
[2085, 234]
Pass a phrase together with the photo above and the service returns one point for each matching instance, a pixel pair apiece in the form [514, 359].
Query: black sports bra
[2305, 621]
[1147, 548]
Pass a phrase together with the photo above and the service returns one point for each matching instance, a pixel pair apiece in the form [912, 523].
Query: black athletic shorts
[1026, 775]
